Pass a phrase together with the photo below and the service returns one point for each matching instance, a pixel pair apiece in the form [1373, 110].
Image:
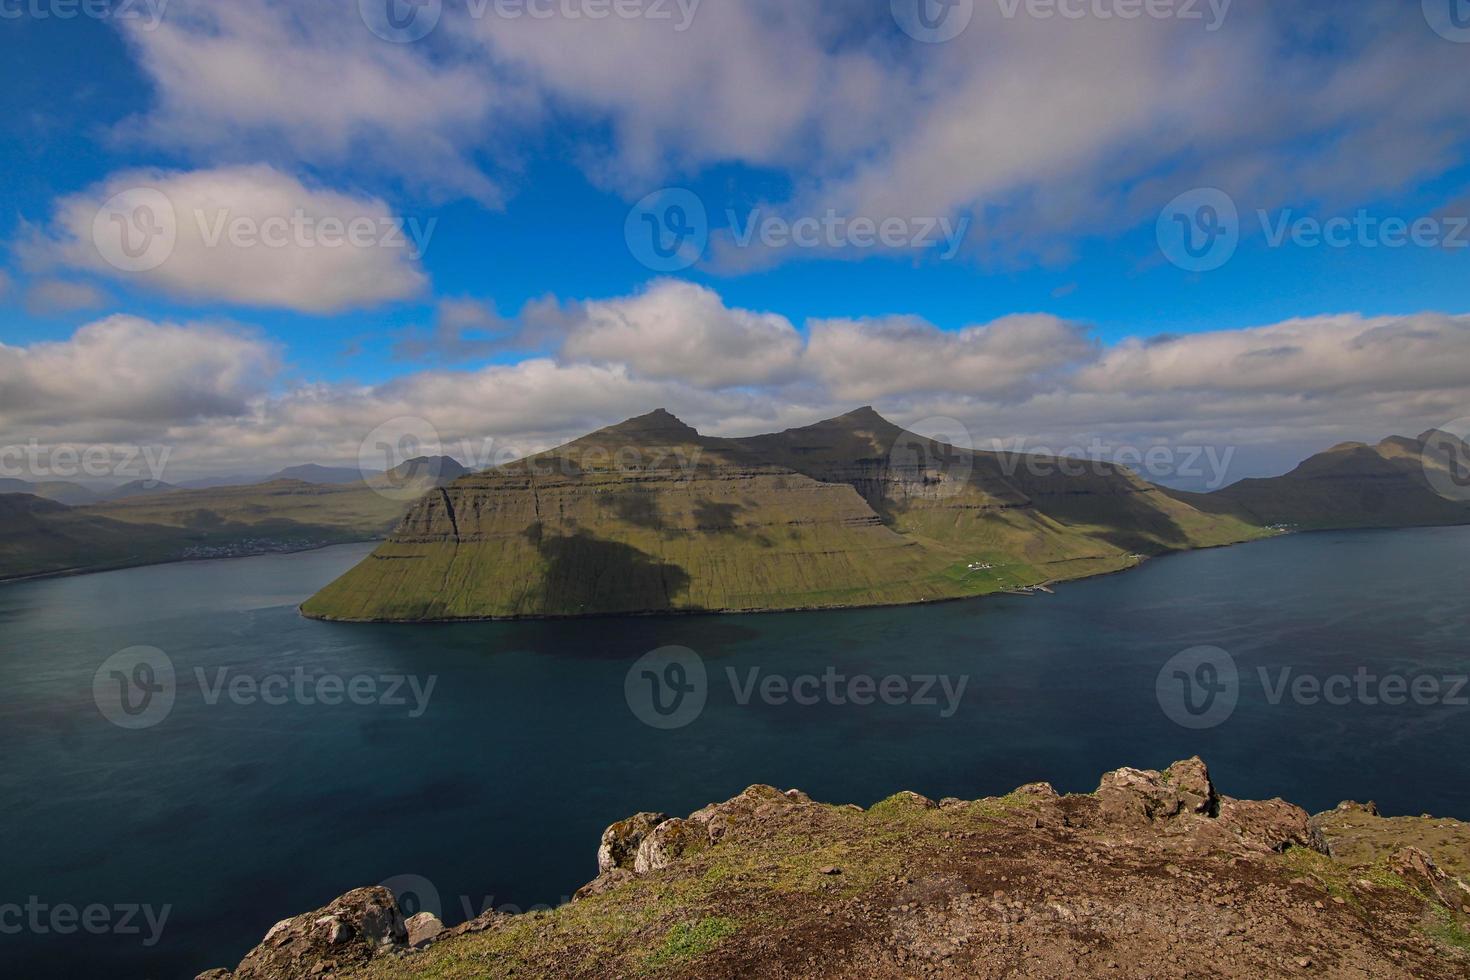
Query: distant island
[650, 516]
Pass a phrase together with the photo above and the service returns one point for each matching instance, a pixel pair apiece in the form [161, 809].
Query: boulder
[620, 842]
[349, 932]
[422, 928]
[668, 841]
[1272, 824]
[1144, 796]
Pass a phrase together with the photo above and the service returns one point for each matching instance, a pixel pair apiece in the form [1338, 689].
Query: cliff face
[650, 516]
[1153, 874]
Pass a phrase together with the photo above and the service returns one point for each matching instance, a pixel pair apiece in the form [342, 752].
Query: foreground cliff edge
[1154, 873]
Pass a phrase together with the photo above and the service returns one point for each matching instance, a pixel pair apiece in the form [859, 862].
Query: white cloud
[249, 235]
[124, 371]
[678, 330]
[869, 359]
[253, 79]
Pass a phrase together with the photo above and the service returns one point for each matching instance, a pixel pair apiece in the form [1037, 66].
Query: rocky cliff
[1153, 874]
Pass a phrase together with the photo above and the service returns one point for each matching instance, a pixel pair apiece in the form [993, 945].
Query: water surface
[235, 815]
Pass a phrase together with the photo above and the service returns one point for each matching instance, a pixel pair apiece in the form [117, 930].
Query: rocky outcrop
[1155, 874]
[351, 931]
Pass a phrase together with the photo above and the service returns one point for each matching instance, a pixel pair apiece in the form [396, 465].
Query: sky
[256, 233]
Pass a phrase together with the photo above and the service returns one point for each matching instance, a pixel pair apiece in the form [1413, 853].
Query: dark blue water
[234, 815]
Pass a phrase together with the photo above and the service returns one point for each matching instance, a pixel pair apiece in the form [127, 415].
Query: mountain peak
[659, 423]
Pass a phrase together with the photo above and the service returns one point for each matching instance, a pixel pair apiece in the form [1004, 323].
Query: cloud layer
[1273, 393]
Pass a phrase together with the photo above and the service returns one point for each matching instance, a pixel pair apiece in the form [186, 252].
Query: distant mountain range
[146, 522]
[650, 516]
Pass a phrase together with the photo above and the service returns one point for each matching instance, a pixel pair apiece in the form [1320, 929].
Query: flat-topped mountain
[651, 516]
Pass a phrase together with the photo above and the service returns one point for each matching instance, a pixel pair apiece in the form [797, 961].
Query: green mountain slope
[1355, 485]
[42, 537]
[650, 516]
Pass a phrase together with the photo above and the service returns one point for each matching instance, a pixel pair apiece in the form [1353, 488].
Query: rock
[606, 881]
[1143, 796]
[1272, 824]
[830, 869]
[620, 842]
[1420, 871]
[1352, 806]
[908, 798]
[667, 843]
[754, 804]
[422, 928]
[1037, 789]
[349, 932]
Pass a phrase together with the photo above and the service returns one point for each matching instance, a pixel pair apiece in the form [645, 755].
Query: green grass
[690, 940]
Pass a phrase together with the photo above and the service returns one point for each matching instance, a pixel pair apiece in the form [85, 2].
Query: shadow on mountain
[586, 574]
[639, 509]
[1128, 520]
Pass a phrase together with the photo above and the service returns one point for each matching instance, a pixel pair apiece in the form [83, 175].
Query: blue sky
[525, 143]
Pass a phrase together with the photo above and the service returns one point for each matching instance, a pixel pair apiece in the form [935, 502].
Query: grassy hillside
[43, 537]
[650, 516]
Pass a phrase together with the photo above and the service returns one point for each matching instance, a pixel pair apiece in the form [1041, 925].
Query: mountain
[316, 473]
[1398, 482]
[651, 516]
[213, 482]
[435, 470]
[43, 537]
[58, 490]
[138, 488]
